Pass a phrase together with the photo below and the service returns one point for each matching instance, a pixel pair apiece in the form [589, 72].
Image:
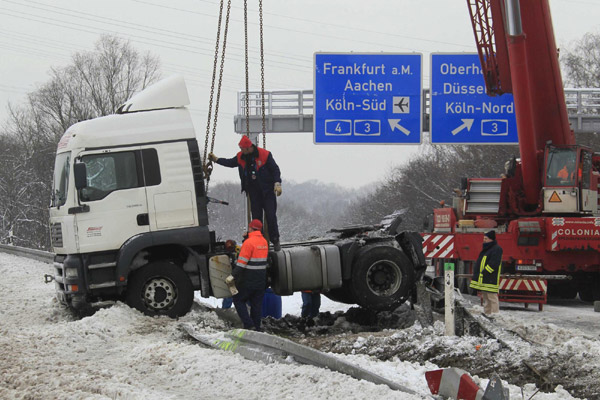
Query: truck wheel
[382, 278]
[160, 288]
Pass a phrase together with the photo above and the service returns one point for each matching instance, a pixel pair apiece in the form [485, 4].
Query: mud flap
[412, 245]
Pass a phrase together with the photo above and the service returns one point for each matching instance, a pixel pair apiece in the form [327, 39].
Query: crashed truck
[129, 222]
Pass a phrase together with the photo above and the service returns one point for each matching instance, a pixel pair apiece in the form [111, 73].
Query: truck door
[589, 190]
[116, 197]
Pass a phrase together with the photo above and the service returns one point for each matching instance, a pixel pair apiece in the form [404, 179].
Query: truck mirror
[426, 222]
[463, 184]
[80, 175]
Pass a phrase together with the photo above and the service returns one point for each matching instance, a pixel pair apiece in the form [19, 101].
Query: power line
[142, 39]
[353, 28]
[127, 25]
[288, 29]
[188, 70]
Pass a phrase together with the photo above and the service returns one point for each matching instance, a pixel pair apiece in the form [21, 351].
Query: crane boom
[517, 49]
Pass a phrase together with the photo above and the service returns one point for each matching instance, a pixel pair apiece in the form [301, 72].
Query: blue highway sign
[367, 98]
[461, 111]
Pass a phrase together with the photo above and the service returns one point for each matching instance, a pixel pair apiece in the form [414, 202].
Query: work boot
[276, 245]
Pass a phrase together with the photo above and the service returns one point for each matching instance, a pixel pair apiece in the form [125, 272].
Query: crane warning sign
[367, 98]
[461, 111]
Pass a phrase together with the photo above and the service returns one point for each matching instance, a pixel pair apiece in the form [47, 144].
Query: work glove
[212, 157]
[230, 281]
[278, 188]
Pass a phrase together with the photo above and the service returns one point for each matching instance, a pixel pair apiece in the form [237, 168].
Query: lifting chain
[207, 164]
[247, 108]
[262, 73]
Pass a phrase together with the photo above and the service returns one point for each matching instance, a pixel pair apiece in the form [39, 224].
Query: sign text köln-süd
[461, 111]
[367, 98]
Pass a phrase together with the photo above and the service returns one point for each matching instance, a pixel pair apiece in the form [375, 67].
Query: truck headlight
[71, 273]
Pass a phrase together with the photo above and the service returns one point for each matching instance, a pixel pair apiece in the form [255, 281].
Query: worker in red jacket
[250, 276]
[261, 179]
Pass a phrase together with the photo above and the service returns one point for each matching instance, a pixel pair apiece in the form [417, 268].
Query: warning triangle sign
[554, 198]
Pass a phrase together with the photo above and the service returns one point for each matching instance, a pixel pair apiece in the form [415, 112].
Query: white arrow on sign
[395, 123]
[466, 123]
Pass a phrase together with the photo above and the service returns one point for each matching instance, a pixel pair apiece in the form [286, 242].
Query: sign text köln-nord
[367, 98]
[461, 111]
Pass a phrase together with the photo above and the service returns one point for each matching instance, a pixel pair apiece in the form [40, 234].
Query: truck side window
[108, 172]
[586, 165]
[151, 167]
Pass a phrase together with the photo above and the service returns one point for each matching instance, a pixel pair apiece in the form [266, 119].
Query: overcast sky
[38, 34]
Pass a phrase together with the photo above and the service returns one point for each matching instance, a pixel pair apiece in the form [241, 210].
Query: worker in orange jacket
[250, 276]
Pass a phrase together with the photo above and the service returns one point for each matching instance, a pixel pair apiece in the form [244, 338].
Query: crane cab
[570, 182]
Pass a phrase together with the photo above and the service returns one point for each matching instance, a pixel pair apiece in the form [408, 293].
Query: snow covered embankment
[119, 353]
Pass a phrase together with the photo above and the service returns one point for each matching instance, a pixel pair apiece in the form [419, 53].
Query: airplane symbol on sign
[401, 104]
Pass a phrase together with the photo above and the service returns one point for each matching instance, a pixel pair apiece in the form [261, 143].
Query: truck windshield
[561, 167]
[62, 165]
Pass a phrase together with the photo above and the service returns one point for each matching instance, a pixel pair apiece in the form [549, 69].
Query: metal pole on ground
[449, 298]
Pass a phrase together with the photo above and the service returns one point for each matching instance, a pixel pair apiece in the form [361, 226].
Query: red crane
[545, 208]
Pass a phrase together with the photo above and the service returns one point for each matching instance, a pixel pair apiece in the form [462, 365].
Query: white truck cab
[142, 187]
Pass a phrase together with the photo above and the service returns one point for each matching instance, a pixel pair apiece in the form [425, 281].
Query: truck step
[103, 285]
[102, 265]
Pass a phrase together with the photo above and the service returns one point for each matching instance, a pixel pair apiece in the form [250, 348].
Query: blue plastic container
[271, 306]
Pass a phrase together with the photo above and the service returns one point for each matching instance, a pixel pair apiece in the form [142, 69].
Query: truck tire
[160, 288]
[382, 278]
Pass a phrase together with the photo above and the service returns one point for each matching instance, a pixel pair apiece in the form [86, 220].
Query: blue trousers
[311, 302]
[267, 201]
[255, 298]
[227, 302]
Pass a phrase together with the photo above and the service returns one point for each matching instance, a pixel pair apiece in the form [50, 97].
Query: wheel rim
[159, 293]
[384, 278]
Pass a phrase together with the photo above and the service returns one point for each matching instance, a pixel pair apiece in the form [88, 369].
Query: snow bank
[118, 353]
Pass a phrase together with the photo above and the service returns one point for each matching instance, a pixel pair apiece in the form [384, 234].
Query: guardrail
[38, 255]
[292, 110]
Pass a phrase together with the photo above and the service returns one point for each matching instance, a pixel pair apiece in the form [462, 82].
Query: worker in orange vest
[250, 276]
[563, 173]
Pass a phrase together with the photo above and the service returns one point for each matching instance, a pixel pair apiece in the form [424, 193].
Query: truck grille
[56, 235]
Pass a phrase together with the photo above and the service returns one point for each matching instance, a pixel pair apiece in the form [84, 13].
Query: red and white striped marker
[530, 285]
[438, 246]
[454, 383]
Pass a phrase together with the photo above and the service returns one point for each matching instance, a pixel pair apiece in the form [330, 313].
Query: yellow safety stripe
[488, 287]
[481, 267]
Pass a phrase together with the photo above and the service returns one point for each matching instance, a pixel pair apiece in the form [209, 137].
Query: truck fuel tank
[306, 268]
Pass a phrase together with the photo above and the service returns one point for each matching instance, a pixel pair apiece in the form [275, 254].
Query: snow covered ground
[119, 353]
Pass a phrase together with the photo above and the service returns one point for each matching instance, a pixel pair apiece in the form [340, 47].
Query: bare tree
[582, 63]
[95, 84]
[428, 178]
